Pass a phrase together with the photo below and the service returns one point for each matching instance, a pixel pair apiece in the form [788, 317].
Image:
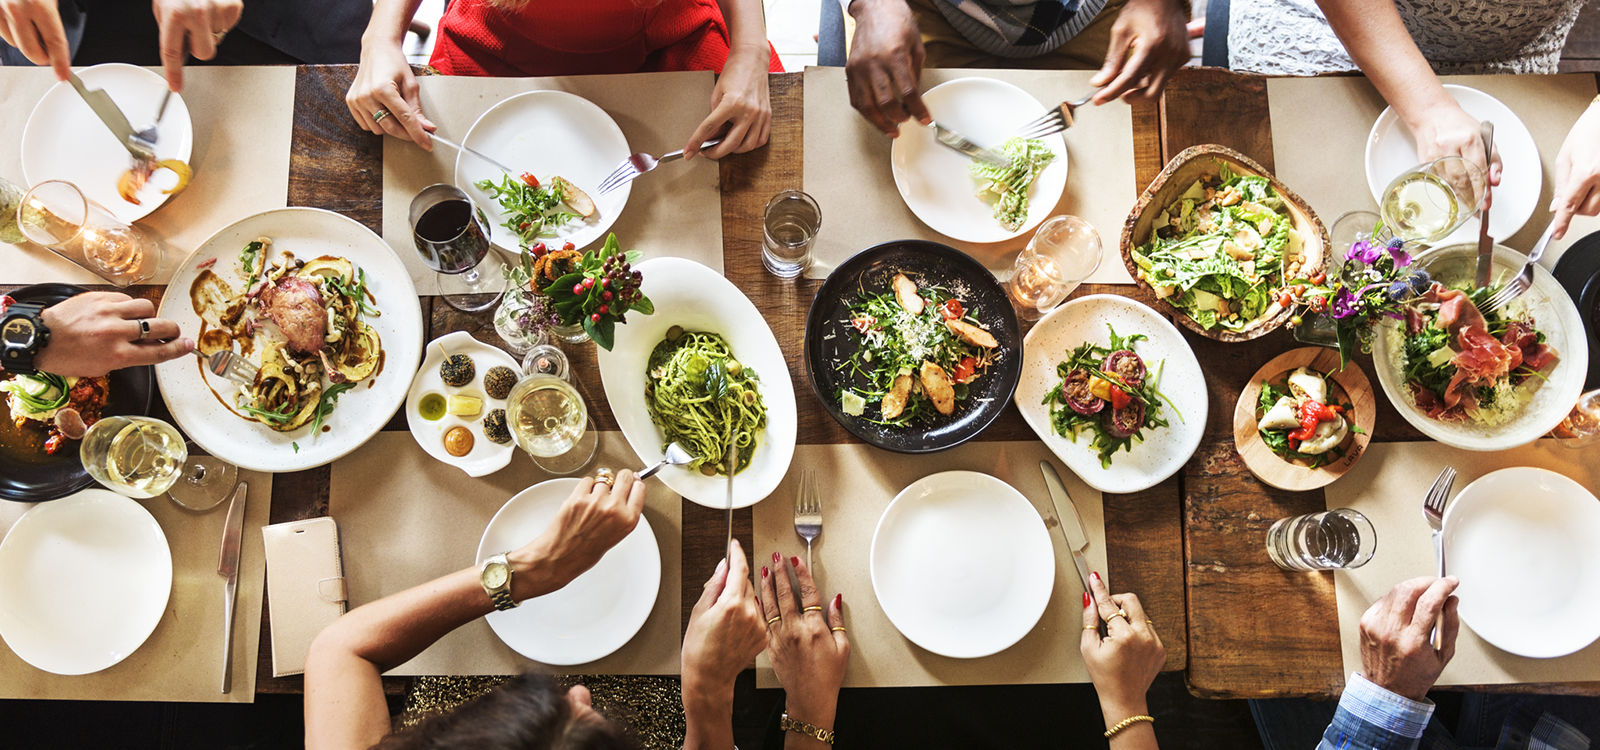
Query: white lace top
[1291, 37]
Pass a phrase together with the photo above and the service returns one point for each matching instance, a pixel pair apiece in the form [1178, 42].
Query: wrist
[705, 697]
[1113, 711]
[532, 575]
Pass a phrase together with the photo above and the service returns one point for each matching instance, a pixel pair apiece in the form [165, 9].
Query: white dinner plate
[1165, 449]
[933, 179]
[83, 582]
[962, 564]
[697, 298]
[486, 456]
[1391, 150]
[362, 411]
[1527, 535]
[547, 133]
[64, 140]
[596, 614]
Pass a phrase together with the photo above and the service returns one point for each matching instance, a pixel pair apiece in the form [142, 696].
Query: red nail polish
[795, 561]
[1095, 576]
[1085, 594]
[838, 601]
[763, 571]
[777, 558]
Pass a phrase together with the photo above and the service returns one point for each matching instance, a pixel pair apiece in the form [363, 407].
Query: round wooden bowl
[1178, 175]
[1271, 468]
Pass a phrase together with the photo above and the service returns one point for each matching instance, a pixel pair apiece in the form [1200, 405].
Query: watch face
[494, 576]
[17, 332]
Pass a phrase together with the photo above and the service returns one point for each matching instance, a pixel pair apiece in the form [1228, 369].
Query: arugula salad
[1007, 186]
[535, 209]
[1094, 376]
[1219, 252]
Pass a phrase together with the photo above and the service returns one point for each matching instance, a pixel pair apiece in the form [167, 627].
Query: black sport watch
[23, 335]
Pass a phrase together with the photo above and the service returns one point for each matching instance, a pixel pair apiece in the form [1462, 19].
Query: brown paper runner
[858, 483]
[676, 210]
[182, 659]
[847, 171]
[405, 519]
[243, 121]
[1320, 128]
[1387, 486]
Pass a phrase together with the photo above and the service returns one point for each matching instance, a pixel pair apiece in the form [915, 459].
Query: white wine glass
[1430, 201]
[1062, 254]
[1582, 425]
[143, 457]
[549, 420]
[205, 481]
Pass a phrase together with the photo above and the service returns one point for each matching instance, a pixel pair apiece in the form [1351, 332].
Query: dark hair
[531, 712]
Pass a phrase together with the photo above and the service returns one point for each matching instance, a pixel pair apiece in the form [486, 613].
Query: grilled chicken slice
[296, 305]
[937, 384]
[894, 402]
[971, 334]
[905, 292]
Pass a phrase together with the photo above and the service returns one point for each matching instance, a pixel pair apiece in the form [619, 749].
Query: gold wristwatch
[496, 579]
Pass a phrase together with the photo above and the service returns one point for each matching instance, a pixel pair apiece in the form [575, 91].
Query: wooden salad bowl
[1178, 175]
[1350, 385]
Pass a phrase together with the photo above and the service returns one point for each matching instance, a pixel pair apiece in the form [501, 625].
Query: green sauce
[431, 407]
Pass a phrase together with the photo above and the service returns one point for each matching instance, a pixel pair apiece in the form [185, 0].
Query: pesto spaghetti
[695, 391]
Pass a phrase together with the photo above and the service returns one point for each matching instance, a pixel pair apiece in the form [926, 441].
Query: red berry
[595, 317]
[605, 295]
[588, 283]
[538, 247]
[577, 289]
[568, 246]
[605, 283]
[605, 309]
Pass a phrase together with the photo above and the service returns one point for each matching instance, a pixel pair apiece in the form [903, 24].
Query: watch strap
[500, 596]
[502, 600]
[19, 359]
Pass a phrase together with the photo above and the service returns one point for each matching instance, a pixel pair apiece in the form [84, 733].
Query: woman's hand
[1149, 41]
[807, 645]
[1447, 130]
[34, 28]
[97, 332]
[1578, 172]
[1125, 662]
[592, 521]
[384, 83]
[740, 104]
[724, 635]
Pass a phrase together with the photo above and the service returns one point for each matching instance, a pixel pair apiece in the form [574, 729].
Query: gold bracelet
[815, 732]
[1128, 722]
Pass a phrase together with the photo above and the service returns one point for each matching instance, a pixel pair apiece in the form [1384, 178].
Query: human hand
[884, 71]
[808, 646]
[94, 333]
[34, 28]
[593, 519]
[1578, 172]
[1447, 130]
[1149, 41]
[192, 26]
[740, 108]
[724, 635]
[384, 83]
[1395, 653]
[1124, 663]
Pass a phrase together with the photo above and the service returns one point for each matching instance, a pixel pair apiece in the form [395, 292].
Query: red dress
[551, 38]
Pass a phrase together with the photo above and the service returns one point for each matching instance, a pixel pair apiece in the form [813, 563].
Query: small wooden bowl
[1178, 175]
[1271, 468]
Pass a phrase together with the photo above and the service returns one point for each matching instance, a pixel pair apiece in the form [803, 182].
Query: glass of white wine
[136, 456]
[550, 421]
[1430, 201]
[1063, 252]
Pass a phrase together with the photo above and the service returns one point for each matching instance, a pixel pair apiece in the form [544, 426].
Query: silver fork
[639, 163]
[151, 135]
[1524, 278]
[808, 511]
[1433, 510]
[1056, 120]
[226, 364]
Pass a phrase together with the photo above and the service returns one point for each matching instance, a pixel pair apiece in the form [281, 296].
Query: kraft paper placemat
[1320, 128]
[182, 659]
[406, 519]
[675, 211]
[1387, 486]
[847, 171]
[243, 122]
[858, 483]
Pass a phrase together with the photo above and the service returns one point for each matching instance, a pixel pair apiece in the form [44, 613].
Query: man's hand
[34, 27]
[97, 332]
[192, 27]
[884, 72]
[1149, 41]
[1395, 653]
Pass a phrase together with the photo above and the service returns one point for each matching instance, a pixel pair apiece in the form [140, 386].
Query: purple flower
[1398, 253]
[1362, 251]
[1344, 304]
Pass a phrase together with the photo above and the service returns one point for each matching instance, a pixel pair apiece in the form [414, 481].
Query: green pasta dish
[697, 393]
[1007, 185]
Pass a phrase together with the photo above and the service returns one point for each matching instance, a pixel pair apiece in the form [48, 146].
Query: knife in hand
[110, 114]
[228, 568]
[1071, 528]
[1485, 242]
[959, 142]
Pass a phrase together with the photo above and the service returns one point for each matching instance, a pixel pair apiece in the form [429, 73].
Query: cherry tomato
[966, 369]
[568, 246]
[951, 309]
[1119, 398]
[539, 249]
[529, 180]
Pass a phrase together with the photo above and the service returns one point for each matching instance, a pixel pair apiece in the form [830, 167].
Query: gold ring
[216, 36]
[1151, 623]
[811, 609]
[1120, 613]
[773, 619]
[607, 476]
[1095, 628]
[838, 630]
[379, 115]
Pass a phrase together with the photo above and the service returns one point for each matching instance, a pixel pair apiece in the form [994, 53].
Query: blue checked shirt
[1372, 718]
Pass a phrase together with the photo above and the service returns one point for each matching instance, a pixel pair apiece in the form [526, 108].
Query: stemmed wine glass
[144, 457]
[452, 236]
[1430, 201]
[549, 420]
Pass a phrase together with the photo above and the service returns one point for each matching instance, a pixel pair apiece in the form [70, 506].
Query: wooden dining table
[1192, 547]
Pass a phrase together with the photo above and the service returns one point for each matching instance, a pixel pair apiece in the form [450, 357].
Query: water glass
[59, 216]
[546, 359]
[1430, 201]
[1331, 540]
[789, 230]
[549, 420]
[135, 456]
[1063, 252]
[451, 235]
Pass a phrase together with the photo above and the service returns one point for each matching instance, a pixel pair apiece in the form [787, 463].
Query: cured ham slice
[1480, 359]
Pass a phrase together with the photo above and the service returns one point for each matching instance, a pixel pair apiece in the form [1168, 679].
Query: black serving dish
[1579, 274]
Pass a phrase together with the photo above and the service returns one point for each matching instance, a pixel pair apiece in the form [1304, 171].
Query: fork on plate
[1433, 509]
[639, 163]
[1056, 120]
[808, 510]
[1524, 278]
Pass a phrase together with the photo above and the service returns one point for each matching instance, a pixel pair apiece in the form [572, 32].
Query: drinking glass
[545, 359]
[1319, 329]
[1430, 201]
[789, 230]
[135, 456]
[57, 215]
[1330, 540]
[452, 236]
[1582, 425]
[549, 420]
[1064, 252]
[205, 481]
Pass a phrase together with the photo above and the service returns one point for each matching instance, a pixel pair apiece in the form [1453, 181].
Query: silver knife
[228, 568]
[473, 151]
[1485, 242]
[1077, 540]
[961, 143]
[108, 112]
[733, 467]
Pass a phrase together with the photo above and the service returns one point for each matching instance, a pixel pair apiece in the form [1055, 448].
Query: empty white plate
[933, 179]
[64, 140]
[962, 564]
[1522, 541]
[83, 582]
[1391, 150]
[596, 614]
[547, 133]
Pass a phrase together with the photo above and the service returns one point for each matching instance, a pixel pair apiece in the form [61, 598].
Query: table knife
[959, 142]
[228, 568]
[1485, 242]
[108, 112]
[472, 151]
[733, 468]
[1072, 533]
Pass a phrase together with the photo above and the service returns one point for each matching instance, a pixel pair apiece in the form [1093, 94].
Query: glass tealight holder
[1062, 254]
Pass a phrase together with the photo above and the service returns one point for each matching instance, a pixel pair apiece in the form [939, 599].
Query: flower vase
[515, 323]
[571, 334]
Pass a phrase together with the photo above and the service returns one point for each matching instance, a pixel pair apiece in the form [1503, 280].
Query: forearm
[708, 716]
[747, 27]
[390, 19]
[1137, 736]
[1379, 43]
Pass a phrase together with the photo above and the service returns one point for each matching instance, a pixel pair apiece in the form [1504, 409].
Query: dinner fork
[639, 163]
[1524, 279]
[150, 135]
[808, 511]
[1056, 120]
[228, 365]
[1433, 510]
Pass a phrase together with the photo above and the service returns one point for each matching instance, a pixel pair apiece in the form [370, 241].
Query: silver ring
[144, 328]
[379, 115]
[216, 36]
